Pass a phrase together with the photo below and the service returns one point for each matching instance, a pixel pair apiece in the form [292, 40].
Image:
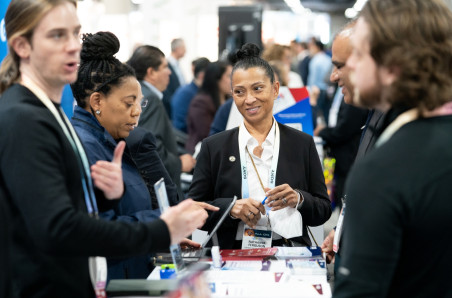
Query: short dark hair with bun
[248, 57]
[99, 69]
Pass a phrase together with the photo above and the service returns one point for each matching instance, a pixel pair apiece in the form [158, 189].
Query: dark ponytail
[9, 71]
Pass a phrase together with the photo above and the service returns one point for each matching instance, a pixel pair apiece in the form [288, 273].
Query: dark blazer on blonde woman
[217, 178]
[50, 235]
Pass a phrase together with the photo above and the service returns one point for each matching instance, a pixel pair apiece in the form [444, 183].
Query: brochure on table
[301, 277]
[297, 272]
[291, 108]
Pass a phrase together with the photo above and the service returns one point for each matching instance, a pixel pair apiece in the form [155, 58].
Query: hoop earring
[98, 112]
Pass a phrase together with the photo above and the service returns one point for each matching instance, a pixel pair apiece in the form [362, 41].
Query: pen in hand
[263, 202]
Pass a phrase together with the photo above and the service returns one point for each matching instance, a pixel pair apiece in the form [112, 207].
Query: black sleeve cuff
[161, 238]
[104, 204]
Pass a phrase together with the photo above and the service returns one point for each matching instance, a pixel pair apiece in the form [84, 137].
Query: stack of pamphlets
[307, 266]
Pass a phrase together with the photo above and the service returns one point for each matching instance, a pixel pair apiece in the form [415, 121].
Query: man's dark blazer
[154, 119]
[374, 127]
[170, 89]
[343, 141]
[217, 178]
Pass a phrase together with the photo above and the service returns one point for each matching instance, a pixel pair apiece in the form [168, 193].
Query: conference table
[290, 272]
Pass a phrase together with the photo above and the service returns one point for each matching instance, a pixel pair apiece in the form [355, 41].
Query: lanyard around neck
[244, 169]
[71, 136]
[255, 169]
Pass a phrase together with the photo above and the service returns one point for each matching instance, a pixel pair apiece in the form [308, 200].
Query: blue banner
[3, 46]
[292, 108]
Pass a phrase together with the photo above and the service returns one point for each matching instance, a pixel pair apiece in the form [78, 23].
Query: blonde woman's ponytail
[9, 71]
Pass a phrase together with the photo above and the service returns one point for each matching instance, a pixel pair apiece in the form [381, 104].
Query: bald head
[341, 50]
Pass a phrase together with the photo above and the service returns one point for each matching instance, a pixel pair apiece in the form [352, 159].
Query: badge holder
[260, 236]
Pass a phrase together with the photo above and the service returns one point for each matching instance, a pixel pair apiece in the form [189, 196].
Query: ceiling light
[359, 4]
[295, 5]
[350, 13]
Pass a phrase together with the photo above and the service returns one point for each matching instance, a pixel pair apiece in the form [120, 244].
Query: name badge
[98, 273]
[259, 237]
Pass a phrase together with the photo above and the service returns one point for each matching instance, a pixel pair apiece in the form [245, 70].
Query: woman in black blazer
[260, 159]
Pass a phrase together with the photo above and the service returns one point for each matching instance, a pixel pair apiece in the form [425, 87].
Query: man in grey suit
[151, 68]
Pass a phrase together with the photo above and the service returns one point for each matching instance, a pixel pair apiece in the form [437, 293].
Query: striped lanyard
[244, 169]
[88, 189]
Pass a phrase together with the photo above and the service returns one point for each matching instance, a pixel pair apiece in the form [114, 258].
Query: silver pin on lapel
[231, 158]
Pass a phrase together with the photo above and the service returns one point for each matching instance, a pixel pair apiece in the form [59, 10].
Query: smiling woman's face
[121, 109]
[254, 94]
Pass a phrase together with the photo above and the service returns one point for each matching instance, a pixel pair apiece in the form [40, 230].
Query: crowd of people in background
[181, 113]
[201, 107]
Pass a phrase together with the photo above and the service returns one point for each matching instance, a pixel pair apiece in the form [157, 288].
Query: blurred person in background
[277, 52]
[151, 69]
[281, 71]
[297, 49]
[177, 78]
[319, 70]
[184, 94]
[303, 65]
[214, 91]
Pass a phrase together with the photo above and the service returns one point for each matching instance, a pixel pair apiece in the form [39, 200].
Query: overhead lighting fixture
[352, 12]
[359, 4]
[296, 6]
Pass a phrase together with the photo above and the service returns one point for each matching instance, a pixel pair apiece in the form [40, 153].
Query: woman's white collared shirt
[263, 166]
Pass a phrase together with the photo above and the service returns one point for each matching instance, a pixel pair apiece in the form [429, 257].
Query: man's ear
[95, 101]
[149, 74]
[21, 46]
[388, 75]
